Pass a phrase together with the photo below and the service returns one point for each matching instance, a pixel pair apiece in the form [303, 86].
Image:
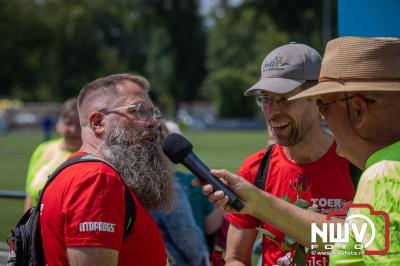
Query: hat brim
[327, 87]
[275, 85]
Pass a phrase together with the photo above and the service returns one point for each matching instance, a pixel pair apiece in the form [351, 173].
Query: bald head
[100, 93]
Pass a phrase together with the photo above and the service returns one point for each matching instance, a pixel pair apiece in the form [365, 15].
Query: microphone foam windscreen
[176, 147]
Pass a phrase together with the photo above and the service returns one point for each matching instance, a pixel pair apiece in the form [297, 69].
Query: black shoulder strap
[130, 211]
[355, 174]
[37, 248]
[263, 169]
[261, 180]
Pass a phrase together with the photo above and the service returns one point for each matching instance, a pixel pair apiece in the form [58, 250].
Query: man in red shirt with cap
[304, 168]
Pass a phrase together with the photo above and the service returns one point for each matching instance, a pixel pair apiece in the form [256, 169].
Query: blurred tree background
[191, 50]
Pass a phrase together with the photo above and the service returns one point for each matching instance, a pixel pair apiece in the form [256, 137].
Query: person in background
[207, 217]
[184, 241]
[50, 154]
[47, 124]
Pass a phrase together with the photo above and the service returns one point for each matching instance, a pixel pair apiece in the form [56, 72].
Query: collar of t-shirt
[329, 154]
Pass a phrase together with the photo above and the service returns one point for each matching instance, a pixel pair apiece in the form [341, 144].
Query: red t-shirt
[85, 207]
[325, 182]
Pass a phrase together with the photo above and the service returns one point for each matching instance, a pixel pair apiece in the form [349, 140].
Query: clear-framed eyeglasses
[140, 111]
[265, 100]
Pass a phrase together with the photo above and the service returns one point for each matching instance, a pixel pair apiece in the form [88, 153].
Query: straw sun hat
[358, 64]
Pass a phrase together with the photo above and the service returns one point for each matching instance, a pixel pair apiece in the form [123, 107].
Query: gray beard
[142, 165]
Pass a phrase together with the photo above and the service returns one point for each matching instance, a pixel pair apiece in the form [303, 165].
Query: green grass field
[14, 157]
[218, 149]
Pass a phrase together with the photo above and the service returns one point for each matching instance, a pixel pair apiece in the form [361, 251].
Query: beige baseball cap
[286, 68]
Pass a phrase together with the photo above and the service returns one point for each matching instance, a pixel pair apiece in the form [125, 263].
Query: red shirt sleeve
[94, 210]
[246, 171]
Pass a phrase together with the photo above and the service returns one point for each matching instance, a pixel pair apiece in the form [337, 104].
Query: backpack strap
[355, 174]
[130, 210]
[262, 173]
[37, 245]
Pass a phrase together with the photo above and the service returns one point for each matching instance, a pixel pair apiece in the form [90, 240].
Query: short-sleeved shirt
[45, 159]
[85, 207]
[325, 182]
[380, 187]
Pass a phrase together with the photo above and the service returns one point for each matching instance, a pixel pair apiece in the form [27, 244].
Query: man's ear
[358, 111]
[96, 122]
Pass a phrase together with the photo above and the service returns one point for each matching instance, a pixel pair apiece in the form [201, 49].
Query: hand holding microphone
[180, 150]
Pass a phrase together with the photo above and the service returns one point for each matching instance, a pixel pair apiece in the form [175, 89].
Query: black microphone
[179, 150]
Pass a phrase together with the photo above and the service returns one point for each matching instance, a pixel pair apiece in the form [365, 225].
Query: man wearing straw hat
[358, 96]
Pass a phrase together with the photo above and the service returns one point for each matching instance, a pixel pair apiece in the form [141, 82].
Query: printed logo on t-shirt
[325, 205]
[96, 226]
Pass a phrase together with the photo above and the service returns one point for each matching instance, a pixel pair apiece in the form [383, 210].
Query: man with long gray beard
[119, 124]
